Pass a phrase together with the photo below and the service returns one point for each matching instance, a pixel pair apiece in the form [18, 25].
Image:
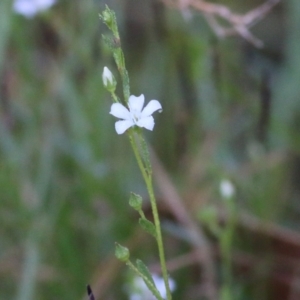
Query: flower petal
[136, 103]
[107, 76]
[122, 126]
[30, 8]
[147, 123]
[120, 111]
[150, 108]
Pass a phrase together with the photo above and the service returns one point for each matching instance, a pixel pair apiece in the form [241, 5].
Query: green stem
[159, 237]
[114, 96]
[110, 20]
[137, 155]
[148, 180]
[142, 214]
[226, 250]
[226, 273]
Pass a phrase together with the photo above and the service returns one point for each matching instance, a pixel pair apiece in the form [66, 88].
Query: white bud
[227, 189]
[108, 80]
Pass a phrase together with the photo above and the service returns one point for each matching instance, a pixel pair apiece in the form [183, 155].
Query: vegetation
[230, 112]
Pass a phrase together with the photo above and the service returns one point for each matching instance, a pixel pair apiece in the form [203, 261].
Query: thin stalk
[148, 180]
[114, 96]
[226, 251]
[159, 237]
[137, 155]
[226, 277]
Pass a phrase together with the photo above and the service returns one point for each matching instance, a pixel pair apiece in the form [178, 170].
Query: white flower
[30, 8]
[139, 291]
[227, 189]
[136, 115]
[109, 80]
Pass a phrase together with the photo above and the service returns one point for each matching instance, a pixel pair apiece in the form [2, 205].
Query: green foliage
[122, 253]
[64, 172]
[148, 226]
[146, 275]
[135, 201]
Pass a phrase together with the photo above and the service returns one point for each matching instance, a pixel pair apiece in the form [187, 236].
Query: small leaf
[147, 226]
[144, 270]
[108, 41]
[148, 278]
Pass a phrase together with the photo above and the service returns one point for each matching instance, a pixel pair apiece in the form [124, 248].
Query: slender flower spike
[109, 80]
[135, 115]
[29, 8]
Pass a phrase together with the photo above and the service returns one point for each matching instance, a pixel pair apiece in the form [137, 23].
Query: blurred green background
[230, 111]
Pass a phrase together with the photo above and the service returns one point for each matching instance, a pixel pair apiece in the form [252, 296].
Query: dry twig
[238, 24]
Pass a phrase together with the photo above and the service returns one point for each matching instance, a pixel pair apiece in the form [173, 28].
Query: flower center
[135, 116]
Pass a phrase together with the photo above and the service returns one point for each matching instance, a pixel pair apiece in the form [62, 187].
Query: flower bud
[107, 17]
[135, 201]
[227, 189]
[109, 80]
[122, 253]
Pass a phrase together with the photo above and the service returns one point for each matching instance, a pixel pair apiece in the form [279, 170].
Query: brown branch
[238, 24]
